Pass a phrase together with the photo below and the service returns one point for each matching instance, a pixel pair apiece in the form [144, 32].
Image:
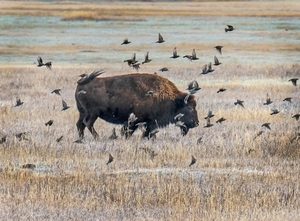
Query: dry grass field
[237, 176]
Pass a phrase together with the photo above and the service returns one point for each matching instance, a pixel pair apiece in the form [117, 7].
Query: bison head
[187, 107]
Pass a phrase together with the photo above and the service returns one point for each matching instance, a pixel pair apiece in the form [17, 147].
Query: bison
[153, 99]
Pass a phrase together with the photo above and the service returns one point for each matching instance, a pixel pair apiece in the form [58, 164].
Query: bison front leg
[80, 126]
[90, 125]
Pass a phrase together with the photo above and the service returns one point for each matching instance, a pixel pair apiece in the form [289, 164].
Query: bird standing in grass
[18, 102]
[147, 60]
[216, 61]
[175, 55]
[268, 100]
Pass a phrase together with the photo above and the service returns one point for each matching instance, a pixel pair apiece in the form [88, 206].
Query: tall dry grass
[235, 177]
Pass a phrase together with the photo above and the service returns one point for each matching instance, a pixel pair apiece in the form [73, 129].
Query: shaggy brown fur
[150, 97]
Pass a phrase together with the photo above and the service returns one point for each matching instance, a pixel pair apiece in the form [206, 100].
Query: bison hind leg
[80, 126]
[89, 122]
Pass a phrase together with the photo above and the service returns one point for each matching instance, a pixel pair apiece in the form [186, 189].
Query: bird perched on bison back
[86, 78]
[114, 98]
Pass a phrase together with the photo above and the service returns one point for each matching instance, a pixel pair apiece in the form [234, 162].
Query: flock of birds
[193, 87]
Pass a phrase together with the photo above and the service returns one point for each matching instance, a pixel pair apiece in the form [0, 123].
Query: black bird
[56, 91]
[209, 68]
[288, 99]
[209, 115]
[193, 87]
[125, 42]
[193, 161]
[49, 123]
[239, 102]
[266, 125]
[136, 66]
[222, 119]
[258, 134]
[204, 69]
[216, 61]
[221, 90]
[3, 139]
[274, 111]
[160, 38]
[229, 28]
[110, 159]
[59, 139]
[268, 100]
[113, 136]
[19, 102]
[86, 78]
[219, 48]
[147, 60]
[175, 55]
[64, 105]
[164, 69]
[296, 116]
[294, 81]
[208, 124]
[192, 57]
[40, 63]
[29, 166]
[131, 60]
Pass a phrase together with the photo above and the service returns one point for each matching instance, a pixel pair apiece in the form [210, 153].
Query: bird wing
[39, 60]
[160, 38]
[230, 26]
[194, 53]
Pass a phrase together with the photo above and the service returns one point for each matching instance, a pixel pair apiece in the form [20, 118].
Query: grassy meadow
[236, 176]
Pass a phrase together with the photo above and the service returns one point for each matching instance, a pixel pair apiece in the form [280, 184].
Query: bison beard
[113, 99]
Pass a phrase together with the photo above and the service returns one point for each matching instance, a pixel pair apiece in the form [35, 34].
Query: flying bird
[209, 68]
[209, 115]
[86, 78]
[56, 91]
[258, 134]
[18, 102]
[222, 119]
[274, 111]
[208, 124]
[296, 116]
[219, 48]
[193, 87]
[64, 105]
[216, 61]
[268, 100]
[221, 90]
[110, 159]
[40, 63]
[288, 99]
[229, 28]
[49, 123]
[192, 57]
[164, 69]
[59, 139]
[125, 41]
[113, 136]
[175, 55]
[266, 125]
[160, 38]
[294, 81]
[204, 69]
[193, 161]
[147, 60]
[131, 60]
[239, 102]
[29, 166]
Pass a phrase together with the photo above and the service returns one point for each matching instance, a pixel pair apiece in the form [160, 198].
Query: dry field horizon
[237, 175]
